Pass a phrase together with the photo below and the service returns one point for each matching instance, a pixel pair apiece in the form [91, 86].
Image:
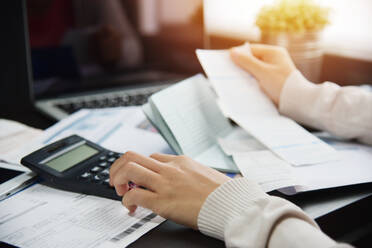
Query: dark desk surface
[343, 213]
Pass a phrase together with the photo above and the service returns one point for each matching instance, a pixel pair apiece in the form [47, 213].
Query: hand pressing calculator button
[75, 164]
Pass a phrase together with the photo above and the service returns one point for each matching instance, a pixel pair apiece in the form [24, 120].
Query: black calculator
[74, 164]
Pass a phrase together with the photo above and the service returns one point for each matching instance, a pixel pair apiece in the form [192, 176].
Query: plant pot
[304, 48]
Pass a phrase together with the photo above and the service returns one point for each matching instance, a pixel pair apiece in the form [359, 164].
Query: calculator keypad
[101, 171]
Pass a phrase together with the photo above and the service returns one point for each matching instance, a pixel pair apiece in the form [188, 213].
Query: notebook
[189, 119]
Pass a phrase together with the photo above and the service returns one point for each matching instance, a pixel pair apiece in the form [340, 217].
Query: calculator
[74, 164]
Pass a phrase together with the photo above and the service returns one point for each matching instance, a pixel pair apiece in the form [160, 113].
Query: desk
[344, 214]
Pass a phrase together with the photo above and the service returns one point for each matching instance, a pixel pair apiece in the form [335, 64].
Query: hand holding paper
[249, 107]
[270, 65]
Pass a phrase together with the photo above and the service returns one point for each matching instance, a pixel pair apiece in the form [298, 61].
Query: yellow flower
[292, 16]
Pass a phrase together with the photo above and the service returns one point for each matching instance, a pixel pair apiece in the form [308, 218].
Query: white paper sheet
[118, 129]
[14, 137]
[248, 106]
[259, 164]
[354, 167]
[239, 141]
[265, 168]
[237, 90]
[97, 125]
[256, 162]
[289, 140]
[44, 217]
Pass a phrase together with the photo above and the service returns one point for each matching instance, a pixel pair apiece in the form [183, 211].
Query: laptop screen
[81, 45]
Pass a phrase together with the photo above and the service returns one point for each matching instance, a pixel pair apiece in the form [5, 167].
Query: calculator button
[107, 181]
[105, 172]
[103, 164]
[118, 155]
[102, 158]
[96, 179]
[95, 169]
[111, 160]
[85, 175]
[111, 154]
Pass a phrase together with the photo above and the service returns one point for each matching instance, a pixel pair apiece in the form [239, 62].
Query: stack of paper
[44, 217]
[353, 167]
[14, 137]
[248, 106]
[117, 129]
[293, 160]
[256, 162]
[259, 164]
[289, 155]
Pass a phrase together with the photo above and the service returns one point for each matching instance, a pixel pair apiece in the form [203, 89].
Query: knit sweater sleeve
[343, 111]
[242, 215]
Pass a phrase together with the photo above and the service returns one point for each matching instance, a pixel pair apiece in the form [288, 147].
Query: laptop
[85, 57]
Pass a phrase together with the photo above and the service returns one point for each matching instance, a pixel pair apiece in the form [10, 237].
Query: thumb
[243, 57]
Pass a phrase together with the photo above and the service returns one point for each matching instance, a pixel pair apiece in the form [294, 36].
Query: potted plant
[296, 25]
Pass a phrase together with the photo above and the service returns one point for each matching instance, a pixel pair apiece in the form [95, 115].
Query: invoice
[44, 217]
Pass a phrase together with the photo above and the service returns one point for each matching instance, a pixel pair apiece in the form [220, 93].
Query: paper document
[190, 120]
[14, 137]
[258, 163]
[250, 108]
[117, 129]
[44, 217]
[154, 116]
[265, 168]
[261, 165]
[239, 141]
[354, 167]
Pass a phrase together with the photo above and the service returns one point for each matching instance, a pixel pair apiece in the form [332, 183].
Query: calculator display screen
[72, 157]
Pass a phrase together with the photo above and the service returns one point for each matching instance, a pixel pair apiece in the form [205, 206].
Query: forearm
[343, 111]
[242, 215]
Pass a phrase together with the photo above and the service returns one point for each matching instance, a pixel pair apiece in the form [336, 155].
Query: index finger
[130, 156]
[246, 60]
[133, 172]
[259, 50]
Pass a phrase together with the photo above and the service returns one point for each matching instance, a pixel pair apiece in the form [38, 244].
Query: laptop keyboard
[107, 101]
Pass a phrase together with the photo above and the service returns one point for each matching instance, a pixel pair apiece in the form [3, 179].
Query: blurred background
[169, 31]
[72, 46]
[345, 42]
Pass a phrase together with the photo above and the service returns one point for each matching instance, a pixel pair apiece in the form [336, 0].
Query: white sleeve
[242, 215]
[343, 111]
